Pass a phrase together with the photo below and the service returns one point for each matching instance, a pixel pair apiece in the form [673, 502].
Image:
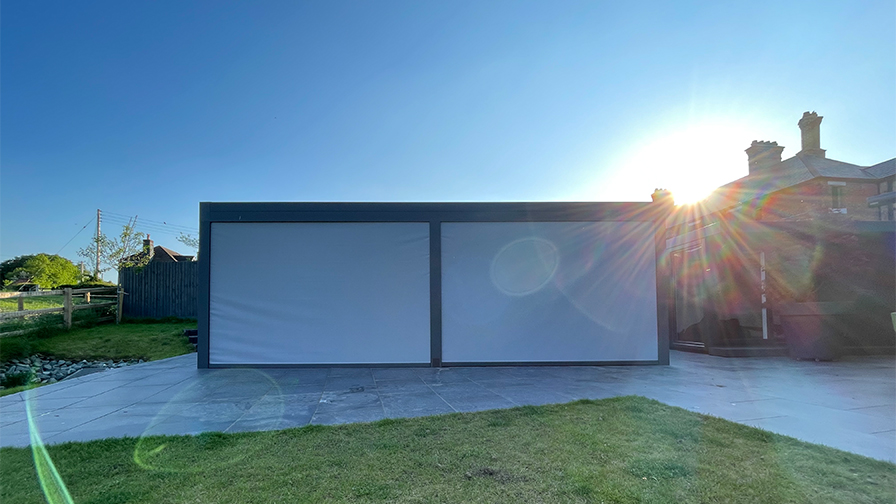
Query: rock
[50, 370]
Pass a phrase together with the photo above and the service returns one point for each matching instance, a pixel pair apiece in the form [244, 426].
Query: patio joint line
[439, 372]
[379, 397]
[247, 409]
[320, 396]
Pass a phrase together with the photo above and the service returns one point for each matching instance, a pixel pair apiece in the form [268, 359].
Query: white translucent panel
[548, 291]
[319, 293]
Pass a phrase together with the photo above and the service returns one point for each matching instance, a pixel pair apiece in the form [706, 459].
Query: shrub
[16, 380]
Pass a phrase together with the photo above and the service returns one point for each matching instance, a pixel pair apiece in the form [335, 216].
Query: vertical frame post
[202, 310]
[664, 292]
[435, 292]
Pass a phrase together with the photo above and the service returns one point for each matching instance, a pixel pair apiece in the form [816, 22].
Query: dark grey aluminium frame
[435, 214]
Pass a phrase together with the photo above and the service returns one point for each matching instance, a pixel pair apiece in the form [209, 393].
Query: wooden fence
[68, 304]
[161, 290]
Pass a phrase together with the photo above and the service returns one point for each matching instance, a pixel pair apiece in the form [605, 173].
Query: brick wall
[813, 198]
[885, 213]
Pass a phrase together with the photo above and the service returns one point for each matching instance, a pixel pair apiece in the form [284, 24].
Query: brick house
[158, 253]
[807, 185]
[718, 248]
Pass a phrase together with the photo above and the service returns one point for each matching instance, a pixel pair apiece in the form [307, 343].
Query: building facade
[772, 231]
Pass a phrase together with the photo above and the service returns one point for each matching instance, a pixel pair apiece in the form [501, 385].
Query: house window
[836, 196]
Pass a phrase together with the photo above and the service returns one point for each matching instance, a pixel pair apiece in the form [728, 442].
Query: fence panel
[161, 290]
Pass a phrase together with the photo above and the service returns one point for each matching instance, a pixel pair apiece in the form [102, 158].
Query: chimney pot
[763, 154]
[810, 129]
[148, 247]
[661, 195]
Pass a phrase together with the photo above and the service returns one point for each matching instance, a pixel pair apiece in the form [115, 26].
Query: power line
[155, 228]
[76, 235]
[152, 222]
[141, 228]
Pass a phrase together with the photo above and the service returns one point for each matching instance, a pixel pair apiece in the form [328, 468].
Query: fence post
[87, 297]
[67, 307]
[21, 303]
[118, 310]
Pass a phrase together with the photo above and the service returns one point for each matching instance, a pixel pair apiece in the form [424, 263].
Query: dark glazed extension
[435, 214]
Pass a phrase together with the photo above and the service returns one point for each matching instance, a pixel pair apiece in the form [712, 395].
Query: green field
[39, 302]
[621, 450]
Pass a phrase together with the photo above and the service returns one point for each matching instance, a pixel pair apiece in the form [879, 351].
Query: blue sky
[147, 108]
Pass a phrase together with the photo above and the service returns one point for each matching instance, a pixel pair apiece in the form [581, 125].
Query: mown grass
[621, 450]
[110, 341]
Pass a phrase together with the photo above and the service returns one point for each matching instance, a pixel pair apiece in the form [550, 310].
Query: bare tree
[190, 241]
[122, 251]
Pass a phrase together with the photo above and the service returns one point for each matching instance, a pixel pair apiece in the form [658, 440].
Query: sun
[691, 161]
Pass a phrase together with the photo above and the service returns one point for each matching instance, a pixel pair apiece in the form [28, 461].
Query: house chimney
[810, 126]
[663, 196]
[147, 247]
[763, 154]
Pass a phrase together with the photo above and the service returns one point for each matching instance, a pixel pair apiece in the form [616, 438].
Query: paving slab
[414, 405]
[324, 416]
[849, 404]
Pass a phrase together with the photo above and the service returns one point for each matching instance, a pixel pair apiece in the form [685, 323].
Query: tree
[190, 241]
[47, 271]
[123, 251]
[10, 265]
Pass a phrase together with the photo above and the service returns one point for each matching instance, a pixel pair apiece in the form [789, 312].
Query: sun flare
[692, 161]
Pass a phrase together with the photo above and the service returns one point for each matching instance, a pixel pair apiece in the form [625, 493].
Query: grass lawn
[146, 341]
[110, 341]
[626, 449]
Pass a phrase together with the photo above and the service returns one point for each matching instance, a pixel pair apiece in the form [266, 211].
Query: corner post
[202, 310]
[67, 307]
[120, 305]
[664, 206]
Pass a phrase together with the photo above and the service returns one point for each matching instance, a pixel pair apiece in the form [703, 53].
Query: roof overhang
[887, 198]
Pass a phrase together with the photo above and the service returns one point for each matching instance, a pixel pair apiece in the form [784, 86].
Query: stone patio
[850, 405]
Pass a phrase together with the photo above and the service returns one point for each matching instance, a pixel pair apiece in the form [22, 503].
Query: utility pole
[98, 218]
